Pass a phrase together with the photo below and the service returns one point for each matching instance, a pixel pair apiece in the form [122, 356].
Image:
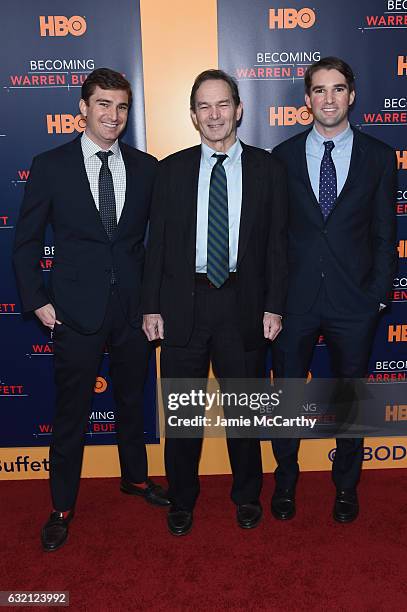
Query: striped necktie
[218, 225]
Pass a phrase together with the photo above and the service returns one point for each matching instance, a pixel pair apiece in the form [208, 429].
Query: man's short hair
[330, 63]
[105, 78]
[214, 75]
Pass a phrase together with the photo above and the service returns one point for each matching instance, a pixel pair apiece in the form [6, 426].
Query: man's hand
[272, 325]
[46, 315]
[153, 326]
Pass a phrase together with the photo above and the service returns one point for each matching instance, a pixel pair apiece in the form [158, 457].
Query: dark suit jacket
[58, 192]
[355, 248]
[169, 282]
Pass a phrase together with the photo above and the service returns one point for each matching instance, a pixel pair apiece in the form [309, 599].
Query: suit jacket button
[325, 231]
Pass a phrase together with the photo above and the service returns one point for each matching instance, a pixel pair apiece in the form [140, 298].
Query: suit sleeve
[153, 268]
[384, 231]
[277, 264]
[29, 239]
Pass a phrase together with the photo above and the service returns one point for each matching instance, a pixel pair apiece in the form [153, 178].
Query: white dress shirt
[116, 166]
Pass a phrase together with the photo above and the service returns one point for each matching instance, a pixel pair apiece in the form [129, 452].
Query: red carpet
[119, 555]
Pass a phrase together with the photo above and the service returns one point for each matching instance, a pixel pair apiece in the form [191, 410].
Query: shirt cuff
[274, 313]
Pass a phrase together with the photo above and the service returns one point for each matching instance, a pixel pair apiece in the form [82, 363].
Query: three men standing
[96, 194]
[215, 278]
[342, 260]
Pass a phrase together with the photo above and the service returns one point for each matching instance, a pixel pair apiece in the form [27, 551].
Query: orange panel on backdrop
[179, 41]
[102, 461]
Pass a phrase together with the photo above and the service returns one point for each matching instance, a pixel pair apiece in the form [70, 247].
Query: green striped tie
[218, 225]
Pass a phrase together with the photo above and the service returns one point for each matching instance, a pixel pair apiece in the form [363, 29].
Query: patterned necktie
[218, 225]
[327, 180]
[107, 201]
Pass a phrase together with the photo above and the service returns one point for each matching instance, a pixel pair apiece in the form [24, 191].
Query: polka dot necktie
[218, 225]
[107, 200]
[327, 180]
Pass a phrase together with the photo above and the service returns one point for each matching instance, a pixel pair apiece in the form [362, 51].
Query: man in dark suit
[342, 259]
[215, 278]
[96, 194]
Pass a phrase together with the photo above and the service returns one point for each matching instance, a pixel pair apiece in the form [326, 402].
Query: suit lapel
[250, 189]
[89, 213]
[301, 160]
[305, 172]
[131, 178]
[354, 167]
[190, 184]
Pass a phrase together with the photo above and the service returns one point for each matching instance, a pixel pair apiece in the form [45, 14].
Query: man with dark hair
[330, 63]
[342, 245]
[215, 278]
[96, 193]
[105, 79]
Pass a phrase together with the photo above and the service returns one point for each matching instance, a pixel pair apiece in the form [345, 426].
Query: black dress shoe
[346, 506]
[55, 531]
[249, 515]
[179, 521]
[153, 493]
[283, 504]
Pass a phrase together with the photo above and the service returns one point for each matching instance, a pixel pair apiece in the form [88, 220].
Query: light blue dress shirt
[233, 169]
[341, 155]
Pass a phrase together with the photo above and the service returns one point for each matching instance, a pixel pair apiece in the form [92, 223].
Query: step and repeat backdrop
[267, 46]
[41, 75]
[48, 49]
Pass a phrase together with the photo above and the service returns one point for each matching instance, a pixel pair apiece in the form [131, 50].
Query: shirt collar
[90, 148]
[340, 140]
[233, 154]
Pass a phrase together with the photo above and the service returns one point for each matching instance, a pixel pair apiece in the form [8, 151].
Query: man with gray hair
[215, 278]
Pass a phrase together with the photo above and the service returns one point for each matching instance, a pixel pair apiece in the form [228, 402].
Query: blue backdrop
[49, 48]
[267, 47]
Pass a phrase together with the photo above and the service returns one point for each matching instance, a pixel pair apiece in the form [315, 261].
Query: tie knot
[219, 158]
[329, 145]
[104, 155]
